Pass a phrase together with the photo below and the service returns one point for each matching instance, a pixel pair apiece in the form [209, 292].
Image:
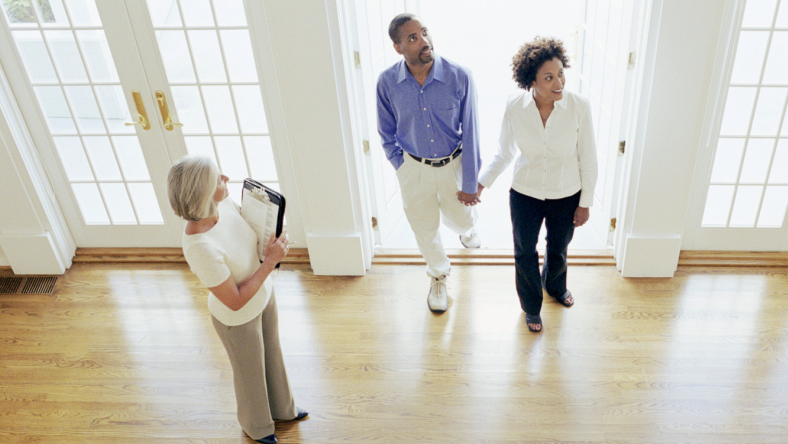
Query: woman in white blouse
[555, 172]
[221, 249]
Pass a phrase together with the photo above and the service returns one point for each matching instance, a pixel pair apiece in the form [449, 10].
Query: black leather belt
[437, 163]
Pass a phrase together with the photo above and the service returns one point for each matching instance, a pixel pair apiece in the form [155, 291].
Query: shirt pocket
[446, 110]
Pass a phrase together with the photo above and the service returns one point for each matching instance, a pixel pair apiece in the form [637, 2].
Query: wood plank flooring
[126, 353]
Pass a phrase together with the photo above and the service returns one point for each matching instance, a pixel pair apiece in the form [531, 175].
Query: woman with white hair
[221, 249]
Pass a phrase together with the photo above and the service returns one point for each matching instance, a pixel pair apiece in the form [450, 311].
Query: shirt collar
[436, 72]
[531, 102]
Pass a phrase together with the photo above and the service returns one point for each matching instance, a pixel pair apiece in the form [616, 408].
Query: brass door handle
[143, 115]
[165, 111]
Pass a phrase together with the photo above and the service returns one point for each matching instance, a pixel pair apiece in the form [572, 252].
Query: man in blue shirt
[428, 125]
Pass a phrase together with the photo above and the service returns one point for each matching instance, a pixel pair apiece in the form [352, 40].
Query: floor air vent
[27, 285]
[10, 285]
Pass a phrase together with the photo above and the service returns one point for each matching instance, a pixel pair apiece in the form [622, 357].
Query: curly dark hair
[531, 57]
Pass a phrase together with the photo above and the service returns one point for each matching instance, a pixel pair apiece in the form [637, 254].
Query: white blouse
[227, 249]
[555, 160]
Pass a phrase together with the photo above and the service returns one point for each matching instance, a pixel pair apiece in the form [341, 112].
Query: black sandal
[562, 300]
[533, 319]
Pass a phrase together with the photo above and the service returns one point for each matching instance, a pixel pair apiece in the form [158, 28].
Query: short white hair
[191, 185]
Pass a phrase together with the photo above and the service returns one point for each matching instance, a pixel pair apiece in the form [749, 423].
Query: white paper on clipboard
[262, 208]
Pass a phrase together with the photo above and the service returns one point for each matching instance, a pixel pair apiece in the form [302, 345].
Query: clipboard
[264, 210]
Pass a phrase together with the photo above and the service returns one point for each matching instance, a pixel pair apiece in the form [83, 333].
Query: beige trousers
[261, 387]
[428, 193]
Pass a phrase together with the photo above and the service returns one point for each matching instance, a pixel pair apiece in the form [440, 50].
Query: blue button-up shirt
[430, 120]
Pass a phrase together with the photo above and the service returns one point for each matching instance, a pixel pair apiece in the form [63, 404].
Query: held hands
[581, 216]
[277, 248]
[470, 200]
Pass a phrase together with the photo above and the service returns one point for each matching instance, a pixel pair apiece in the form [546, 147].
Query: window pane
[35, 56]
[251, 112]
[207, 56]
[118, 203]
[201, 146]
[90, 203]
[718, 204]
[85, 109]
[102, 158]
[779, 173]
[220, 109]
[745, 206]
[775, 202]
[175, 56]
[190, 111]
[19, 13]
[261, 158]
[235, 189]
[231, 157]
[95, 48]
[52, 13]
[588, 48]
[67, 59]
[72, 155]
[145, 203]
[749, 57]
[759, 13]
[198, 13]
[131, 159]
[240, 59]
[738, 108]
[756, 161]
[164, 13]
[230, 12]
[727, 160]
[768, 111]
[83, 12]
[782, 16]
[777, 66]
[53, 104]
[115, 108]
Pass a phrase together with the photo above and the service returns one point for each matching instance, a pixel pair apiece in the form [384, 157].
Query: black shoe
[301, 414]
[270, 439]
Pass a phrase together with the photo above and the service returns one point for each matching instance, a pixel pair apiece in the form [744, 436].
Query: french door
[114, 92]
[740, 195]
[604, 55]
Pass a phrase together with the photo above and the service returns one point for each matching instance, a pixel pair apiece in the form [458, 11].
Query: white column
[34, 236]
[307, 54]
[677, 57]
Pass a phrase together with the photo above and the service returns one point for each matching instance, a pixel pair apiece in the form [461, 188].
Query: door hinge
[631, 63]
[613, 224]
[366, 146]
[374, 223]
[622, 147]
[357, 59]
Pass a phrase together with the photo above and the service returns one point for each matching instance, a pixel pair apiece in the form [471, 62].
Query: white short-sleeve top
[227, 249]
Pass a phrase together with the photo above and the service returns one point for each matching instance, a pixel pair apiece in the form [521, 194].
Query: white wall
[678, 56]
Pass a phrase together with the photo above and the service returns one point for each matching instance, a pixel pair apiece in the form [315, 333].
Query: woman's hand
[479, 189]
[277, 248]
[581, 216]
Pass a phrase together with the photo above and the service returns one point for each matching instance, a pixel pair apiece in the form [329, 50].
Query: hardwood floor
[126, 353]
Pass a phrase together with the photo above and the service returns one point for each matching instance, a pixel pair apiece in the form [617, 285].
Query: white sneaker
[472, 240]
[438, 299]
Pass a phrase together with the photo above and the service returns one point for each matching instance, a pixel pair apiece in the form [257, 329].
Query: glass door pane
[210, 71]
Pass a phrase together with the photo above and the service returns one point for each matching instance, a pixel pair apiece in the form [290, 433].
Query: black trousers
[527, 216]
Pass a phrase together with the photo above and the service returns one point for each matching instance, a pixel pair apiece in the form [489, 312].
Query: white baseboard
[336, 255]
[32, 253]
[651, 256]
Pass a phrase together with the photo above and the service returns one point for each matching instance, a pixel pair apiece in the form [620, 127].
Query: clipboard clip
[261, 195]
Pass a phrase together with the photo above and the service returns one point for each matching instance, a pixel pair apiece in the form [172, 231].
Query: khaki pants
[427, 194]
[261, 387]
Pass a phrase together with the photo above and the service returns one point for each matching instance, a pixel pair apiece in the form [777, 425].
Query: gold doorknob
[161, 99]
[143, 115]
